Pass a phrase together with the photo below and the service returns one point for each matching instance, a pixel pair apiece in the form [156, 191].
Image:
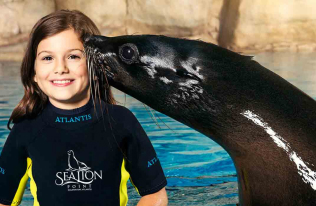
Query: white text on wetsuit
[73, 119]
[84, 177]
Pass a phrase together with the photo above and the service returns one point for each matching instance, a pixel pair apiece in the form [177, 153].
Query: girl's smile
[61, 71]
[62, 83]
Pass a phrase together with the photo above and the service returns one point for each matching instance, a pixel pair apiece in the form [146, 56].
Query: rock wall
[17, 18]
[246, 26]
[108, 15]
[179, 18]
[268, 25]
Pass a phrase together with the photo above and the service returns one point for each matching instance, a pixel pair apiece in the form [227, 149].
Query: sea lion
[267, 125]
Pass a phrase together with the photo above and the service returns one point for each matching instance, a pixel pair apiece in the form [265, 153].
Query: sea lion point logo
[78, 176]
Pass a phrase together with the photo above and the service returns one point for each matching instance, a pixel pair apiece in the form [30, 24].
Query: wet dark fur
[231, 84]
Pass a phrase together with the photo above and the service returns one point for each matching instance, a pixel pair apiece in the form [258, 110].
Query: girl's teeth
[61, 82]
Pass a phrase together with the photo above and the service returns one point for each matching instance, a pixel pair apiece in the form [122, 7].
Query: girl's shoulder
[120, 113]
[26, 126]
[117, 109]
[22, 122]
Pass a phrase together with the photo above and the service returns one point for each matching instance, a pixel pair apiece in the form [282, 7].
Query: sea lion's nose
[94, 39]
[86, 38]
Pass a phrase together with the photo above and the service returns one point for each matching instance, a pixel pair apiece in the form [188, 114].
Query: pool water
[198, 171]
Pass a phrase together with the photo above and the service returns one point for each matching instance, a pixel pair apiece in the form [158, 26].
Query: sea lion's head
[168, 74]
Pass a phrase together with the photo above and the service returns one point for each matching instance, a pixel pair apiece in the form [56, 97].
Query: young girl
[76, 148]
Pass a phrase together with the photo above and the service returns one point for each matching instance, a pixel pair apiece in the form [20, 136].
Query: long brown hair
[34, 100]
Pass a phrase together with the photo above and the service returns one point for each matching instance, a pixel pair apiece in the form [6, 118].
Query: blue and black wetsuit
[74, 157]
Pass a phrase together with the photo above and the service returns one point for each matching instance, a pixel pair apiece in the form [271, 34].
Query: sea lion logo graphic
[77, 173]
[74, 164]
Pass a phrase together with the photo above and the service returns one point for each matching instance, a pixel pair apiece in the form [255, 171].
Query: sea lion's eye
[128, 53]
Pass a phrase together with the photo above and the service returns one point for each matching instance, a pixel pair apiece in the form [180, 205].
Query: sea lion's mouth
[97, 64]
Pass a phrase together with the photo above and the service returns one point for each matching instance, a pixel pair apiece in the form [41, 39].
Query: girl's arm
[156, 199]
[14, 165]
[143, 164]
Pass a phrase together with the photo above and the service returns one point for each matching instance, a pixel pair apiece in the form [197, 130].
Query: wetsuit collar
[71, 111]
[74, 118]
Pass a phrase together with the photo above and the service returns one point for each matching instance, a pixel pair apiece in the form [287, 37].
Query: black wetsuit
[73, 157]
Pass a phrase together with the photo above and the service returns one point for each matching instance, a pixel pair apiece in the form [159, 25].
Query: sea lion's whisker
[151, 115]
[165, 123]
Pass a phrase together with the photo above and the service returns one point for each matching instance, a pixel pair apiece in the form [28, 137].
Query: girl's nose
[61, 67]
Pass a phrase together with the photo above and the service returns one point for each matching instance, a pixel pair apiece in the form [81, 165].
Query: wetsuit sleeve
[13, 166]
[146, 173]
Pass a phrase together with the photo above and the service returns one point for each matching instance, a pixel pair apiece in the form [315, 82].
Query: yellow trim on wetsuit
[33, 186]
[134, 185]
[20, 191]
[19, 194]
[123, 185]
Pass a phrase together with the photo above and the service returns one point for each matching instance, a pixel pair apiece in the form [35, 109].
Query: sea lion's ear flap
[247, 56]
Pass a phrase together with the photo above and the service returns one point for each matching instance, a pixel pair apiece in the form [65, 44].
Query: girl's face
[61, 71]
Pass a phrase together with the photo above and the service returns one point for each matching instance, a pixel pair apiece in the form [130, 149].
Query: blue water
[199, 171]
[183, 152]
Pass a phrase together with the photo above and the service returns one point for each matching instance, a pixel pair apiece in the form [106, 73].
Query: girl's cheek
[80, 68]
[43, 70]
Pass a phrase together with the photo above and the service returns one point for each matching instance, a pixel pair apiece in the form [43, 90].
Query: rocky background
[246, 26]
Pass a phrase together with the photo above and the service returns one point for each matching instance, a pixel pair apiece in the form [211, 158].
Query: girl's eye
[73, 57]
[48, 58]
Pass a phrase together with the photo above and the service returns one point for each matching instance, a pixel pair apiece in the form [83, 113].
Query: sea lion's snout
[97, 63]
[93, 44]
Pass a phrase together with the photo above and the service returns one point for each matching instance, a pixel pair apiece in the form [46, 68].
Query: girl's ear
[35, 78]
